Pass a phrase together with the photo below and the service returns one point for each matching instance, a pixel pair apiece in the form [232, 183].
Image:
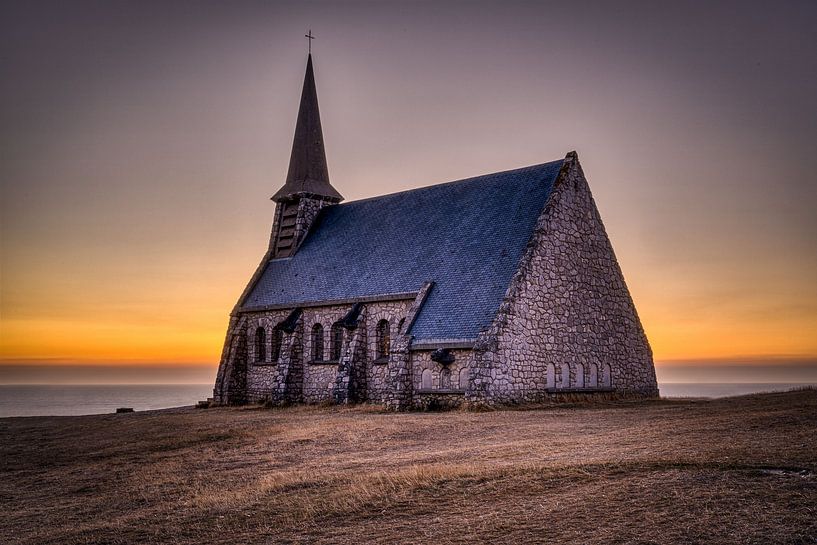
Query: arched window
[260, 344]
[317, 342]
[463, 379]
[425, 378]
[564, 381]
[551, 376]
[335, 341]
[277, 338]
[383, 339]
[594, 375]
[579, 376]
[606, 376]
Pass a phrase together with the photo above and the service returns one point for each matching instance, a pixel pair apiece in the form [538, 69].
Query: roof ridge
[462, 180]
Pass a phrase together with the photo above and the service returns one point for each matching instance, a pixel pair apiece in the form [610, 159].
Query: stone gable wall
[567, 311]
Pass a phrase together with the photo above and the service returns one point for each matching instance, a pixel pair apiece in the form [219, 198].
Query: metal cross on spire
[311, 37]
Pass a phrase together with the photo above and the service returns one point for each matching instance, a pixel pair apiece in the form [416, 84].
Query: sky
[141, 142]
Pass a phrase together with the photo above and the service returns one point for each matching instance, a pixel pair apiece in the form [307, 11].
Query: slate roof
[465, 236]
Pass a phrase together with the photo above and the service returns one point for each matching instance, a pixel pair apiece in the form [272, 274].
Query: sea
[74, 400]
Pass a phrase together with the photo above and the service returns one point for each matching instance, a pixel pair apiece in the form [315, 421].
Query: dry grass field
[739, 470]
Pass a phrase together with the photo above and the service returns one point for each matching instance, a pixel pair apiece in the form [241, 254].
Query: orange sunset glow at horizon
[159, 321]
[186, 324]
[142, 155]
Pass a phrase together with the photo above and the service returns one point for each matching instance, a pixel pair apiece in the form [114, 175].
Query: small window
[260, 344]
[317, 342]
[594, 375]
[606, 376]
[383, 339]
[277, 338]
[336, 342]
[425, 379]
[463, 379]
[445, 378]
[564, 377]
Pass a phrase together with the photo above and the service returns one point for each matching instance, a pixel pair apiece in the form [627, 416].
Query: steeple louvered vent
[286, 234]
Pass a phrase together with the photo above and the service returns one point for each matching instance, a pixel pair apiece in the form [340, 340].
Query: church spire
[308, 173]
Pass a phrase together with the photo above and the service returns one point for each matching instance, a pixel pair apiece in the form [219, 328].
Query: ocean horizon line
[210, 384]
[23, 400]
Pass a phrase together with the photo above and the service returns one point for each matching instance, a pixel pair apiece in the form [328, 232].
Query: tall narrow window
[383, 339]
[551, 376]
[579, 375]
[564, 379]
[464, 376]
[260, 344]
[277, 338]
[335, 342]
[426, 383]
[606, 376]
[317, 342]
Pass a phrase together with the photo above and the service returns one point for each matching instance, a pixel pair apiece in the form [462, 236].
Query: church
[493, 290]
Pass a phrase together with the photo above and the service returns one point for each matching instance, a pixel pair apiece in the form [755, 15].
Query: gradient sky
[141, 141]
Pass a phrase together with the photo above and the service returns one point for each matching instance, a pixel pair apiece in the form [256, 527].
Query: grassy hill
[737, 470]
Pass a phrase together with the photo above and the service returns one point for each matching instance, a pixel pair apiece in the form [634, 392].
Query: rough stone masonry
[499, 289]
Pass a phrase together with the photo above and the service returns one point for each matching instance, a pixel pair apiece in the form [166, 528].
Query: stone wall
[308, 208]
[231, 378]
[399, 386]
[262, 376]
[566, 313]
[298, 375]
[378, 369]
[423, 366]
[436, 386]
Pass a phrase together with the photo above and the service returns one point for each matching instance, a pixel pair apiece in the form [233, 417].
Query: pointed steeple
[308, 173]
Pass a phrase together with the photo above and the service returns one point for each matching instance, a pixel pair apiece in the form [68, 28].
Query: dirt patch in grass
[737, 470]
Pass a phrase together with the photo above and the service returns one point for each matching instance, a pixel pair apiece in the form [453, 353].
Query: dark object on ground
[124, 410]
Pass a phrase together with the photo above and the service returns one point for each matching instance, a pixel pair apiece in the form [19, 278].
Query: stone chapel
[497, 289]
